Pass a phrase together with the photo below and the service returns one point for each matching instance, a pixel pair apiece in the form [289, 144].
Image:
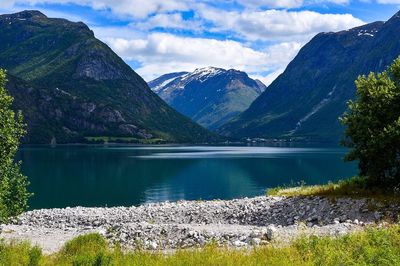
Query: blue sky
[257, 36]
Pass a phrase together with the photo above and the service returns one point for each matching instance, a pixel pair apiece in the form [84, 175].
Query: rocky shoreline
[237, 223]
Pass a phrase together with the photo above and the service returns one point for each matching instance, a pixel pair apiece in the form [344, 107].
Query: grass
[354, 187]
[374, 246]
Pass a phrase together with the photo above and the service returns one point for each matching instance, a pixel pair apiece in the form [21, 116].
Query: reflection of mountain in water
[115, 176]
[312, 169]
[205, 179]
[74, 176]
[230, 178]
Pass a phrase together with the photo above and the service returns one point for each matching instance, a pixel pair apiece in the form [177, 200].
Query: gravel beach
[235, 223]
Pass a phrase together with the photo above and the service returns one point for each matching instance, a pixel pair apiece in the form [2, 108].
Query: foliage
[13, 185]
[353, 187]
[374, 246]
[373, 126]
[19, 253]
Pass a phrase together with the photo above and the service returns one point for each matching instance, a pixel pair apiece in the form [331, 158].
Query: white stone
[271, 231]
[153, 245]
[239, 243]
[255, 241]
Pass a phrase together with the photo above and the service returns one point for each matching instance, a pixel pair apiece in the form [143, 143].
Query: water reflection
[114, 176]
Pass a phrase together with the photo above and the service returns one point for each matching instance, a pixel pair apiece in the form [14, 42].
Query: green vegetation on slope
[374, 246]
[306, 100]
[72, 86]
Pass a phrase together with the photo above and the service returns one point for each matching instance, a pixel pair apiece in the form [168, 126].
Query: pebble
[237, 223]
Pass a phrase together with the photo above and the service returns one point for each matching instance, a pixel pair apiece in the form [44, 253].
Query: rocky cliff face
[58, 116]
[307, 99]
[75, 83]
[210, 96]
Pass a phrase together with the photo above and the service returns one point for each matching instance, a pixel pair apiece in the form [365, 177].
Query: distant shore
[188, 224]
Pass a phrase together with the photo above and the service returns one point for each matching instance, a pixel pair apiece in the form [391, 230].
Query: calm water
[114, 176]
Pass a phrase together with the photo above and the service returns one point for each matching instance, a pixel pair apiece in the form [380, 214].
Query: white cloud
[393, 2]
[278, 24]
[257, 4]
[338, 2]
[134, 8]
[161, 53]
[271, 3]
[268, 79]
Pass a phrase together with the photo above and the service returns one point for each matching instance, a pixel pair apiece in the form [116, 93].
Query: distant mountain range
[71, 86]
[306, 100]
[210, 96]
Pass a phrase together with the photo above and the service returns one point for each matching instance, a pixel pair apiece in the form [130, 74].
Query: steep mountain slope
[210, 96]
[307, 99]
[101, 95]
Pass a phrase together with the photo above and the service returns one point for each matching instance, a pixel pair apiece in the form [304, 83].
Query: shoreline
[237, 223]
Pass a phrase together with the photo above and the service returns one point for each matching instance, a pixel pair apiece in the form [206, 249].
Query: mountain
[71, 86]
[210, 96]
[306, 100]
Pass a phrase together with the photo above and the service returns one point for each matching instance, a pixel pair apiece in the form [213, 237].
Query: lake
[131, 175]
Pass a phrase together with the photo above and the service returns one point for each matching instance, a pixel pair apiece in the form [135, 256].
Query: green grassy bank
[374, 246]
[356, 187]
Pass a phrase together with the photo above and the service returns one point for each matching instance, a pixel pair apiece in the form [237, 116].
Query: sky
[259, 37]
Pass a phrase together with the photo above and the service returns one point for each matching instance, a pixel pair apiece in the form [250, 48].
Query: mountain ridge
[58, 55]
[305, 101]
[210, 95]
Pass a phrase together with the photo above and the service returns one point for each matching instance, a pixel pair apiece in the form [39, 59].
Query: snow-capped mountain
[210, 96]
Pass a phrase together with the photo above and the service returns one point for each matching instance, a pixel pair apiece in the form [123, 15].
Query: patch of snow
[365, 34]
[162, 85]
[314, 110]
[202, 74]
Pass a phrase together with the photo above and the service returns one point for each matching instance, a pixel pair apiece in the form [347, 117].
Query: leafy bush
[88, 249]
[13, 185]
[373, 127]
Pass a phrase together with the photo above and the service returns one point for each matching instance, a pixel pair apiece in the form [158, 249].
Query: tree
[373, 127]
[13, 185]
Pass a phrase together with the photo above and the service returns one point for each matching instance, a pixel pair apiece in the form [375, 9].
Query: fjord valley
[69, 85]
[210, 96]
[203, 165]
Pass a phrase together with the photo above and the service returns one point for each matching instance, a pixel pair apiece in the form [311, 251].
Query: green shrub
[13, 185]
[23, 253]
[373, 127]
[91, 249]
